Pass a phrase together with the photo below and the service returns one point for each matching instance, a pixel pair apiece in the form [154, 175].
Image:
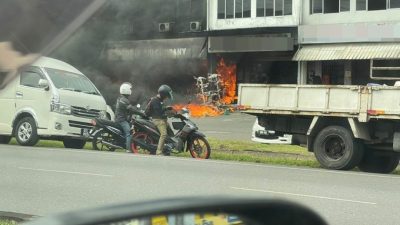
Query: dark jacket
[155, 108]
[123, 109]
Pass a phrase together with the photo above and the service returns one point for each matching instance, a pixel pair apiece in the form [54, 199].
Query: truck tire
[336, 148]
[376, 162]
[5, 139]
[74, 143]
[26, 132]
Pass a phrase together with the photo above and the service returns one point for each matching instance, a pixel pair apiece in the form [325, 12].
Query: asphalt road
[236, 126]
[41, 181]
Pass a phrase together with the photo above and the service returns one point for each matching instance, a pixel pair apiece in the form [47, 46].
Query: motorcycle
[107, 135]
[186, 138]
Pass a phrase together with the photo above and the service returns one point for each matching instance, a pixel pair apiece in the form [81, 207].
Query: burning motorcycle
[186, 138]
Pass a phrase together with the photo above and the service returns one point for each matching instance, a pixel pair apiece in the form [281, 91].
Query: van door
[32, 98]
[7, 103]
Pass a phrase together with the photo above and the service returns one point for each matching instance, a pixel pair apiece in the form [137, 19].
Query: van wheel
[336, 148]
[5, 139]
[74, 143]
[379, 162]
[26, 132]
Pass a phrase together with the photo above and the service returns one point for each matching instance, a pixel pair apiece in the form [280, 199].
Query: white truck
[49, 99]
[345, 126]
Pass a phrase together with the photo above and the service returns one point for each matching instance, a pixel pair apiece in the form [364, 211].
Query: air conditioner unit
[164, 27]
[195, 26]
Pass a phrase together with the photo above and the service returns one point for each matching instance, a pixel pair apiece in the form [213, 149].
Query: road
[41, 181]
[236, 126]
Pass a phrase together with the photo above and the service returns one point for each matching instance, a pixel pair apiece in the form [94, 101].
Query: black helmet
[165, 92]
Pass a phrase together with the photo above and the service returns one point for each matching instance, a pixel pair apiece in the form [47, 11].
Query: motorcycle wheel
[97, 141]
[199, 148]
[145, 137]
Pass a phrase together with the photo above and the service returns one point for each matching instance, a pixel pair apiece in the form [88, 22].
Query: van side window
[30, 79]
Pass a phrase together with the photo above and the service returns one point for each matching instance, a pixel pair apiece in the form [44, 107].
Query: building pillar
[347, 73]
[301, 72]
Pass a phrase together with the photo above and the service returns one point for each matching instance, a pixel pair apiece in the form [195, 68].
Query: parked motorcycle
[107, 135]
[186, 138]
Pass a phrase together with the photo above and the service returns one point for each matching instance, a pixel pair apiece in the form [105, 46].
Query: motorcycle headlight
[60, 108]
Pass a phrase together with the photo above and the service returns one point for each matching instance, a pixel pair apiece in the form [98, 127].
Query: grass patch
[8, 222]
[221, 145]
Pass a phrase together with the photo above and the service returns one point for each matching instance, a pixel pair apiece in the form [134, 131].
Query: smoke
[130, 20]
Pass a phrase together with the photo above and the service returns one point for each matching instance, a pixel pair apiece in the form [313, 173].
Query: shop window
[361, 5]
[269, 8]
[274, 7]
[246, 8]
[329, 6]
[316, 6]
[278, 7]
[260, 8]
[376, 5]
[385, 69]
[221, 9]
[287, 7]
[372, 5]
[394, 4]
[228, 9]
[344, 5]
[238, 9]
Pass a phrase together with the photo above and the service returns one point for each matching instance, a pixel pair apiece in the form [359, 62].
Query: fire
[228, 78]
[197, 110]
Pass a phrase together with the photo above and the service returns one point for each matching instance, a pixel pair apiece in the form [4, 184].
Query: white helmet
[125, 89]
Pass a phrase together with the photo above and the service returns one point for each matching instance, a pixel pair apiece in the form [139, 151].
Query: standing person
[157, 111]
[122, 112]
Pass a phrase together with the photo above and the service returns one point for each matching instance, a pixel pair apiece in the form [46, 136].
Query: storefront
[259, 59]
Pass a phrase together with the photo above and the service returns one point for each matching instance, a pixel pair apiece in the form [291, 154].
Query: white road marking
[216, 162]
[216, 132]
[303, 195]
[63, 171]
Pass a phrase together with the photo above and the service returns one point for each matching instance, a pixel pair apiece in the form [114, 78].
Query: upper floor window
[372, 5]
[228, 9]
[329, 6]
[274, 8]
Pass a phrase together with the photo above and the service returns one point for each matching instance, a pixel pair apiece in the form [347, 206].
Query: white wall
[253, 22]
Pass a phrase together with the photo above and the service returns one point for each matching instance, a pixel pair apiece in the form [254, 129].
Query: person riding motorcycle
[123, 111]
[156, 110]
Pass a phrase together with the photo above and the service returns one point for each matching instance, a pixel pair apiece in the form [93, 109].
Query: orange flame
[199, 110]
[228, 78]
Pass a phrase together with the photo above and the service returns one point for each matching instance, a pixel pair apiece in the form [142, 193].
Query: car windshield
[65, 80]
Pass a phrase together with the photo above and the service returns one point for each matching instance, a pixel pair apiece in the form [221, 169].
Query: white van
[51, 100]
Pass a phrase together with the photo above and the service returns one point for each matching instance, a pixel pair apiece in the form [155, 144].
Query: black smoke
[122, 20]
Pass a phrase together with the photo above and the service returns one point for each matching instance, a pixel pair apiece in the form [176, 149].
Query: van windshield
[65, 80]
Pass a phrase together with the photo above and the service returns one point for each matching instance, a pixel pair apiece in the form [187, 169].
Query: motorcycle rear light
[93, 122]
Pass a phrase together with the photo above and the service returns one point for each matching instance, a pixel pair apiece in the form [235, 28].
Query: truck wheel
[5, 139]
[336, 148]
[379, 162]
[26, 132]
[74, 143]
